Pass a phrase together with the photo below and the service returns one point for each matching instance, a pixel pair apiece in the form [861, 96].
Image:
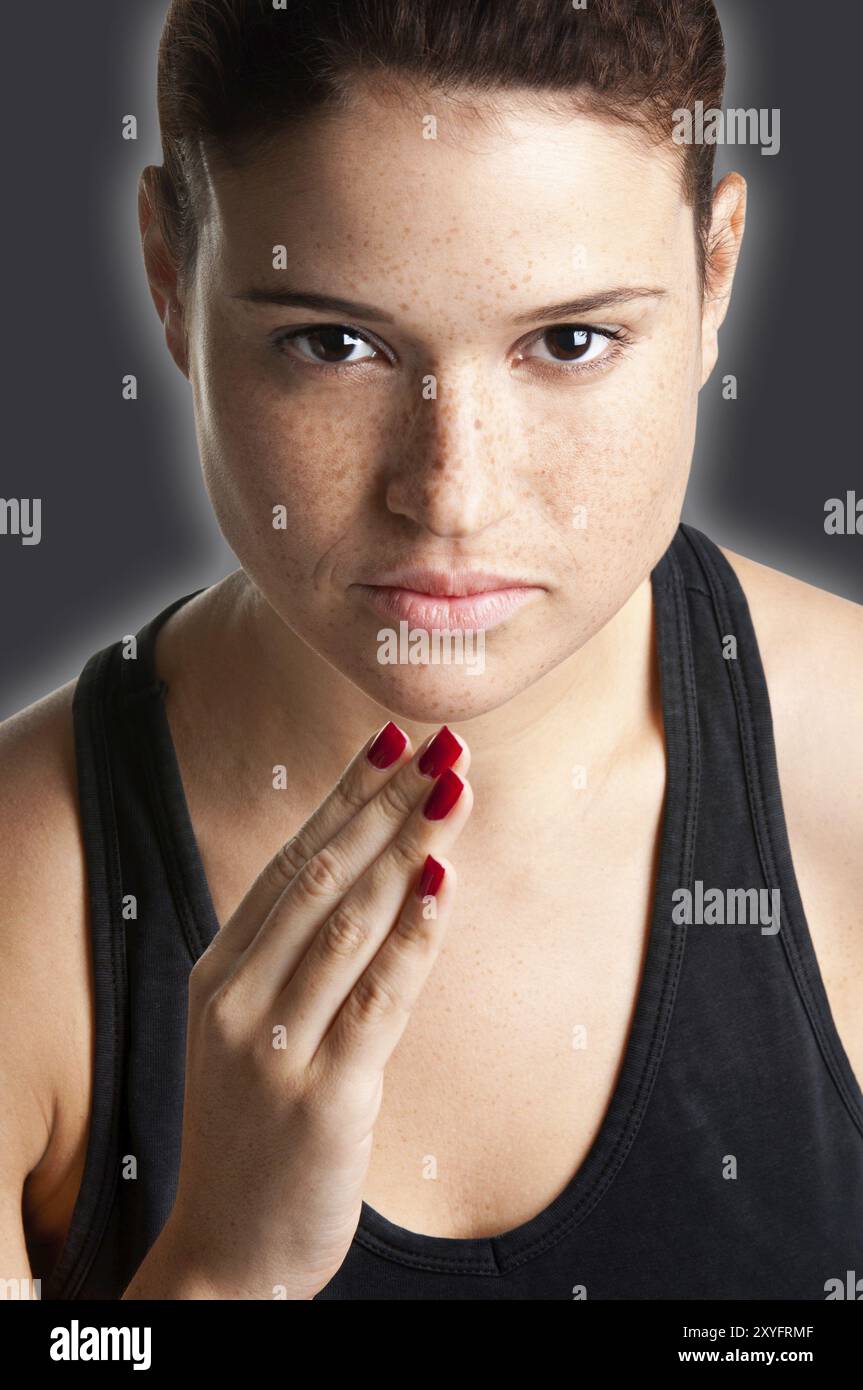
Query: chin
[436, 694]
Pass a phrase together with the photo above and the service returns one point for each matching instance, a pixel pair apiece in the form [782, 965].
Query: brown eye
[330, 345]
[569, 343]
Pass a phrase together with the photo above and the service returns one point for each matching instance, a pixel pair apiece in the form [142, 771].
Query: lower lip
[437, 612]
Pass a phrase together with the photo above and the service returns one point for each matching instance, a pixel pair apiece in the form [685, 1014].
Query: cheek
[611, 463]
[271, 439]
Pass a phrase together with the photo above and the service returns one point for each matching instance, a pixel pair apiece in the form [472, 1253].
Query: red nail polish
[387, 746]
[443, 795]
[431, 878]
[441, 753]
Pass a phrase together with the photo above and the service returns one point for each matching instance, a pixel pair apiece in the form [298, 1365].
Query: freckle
[477, 424]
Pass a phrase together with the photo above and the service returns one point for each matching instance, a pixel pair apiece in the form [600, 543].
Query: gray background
[126, 524]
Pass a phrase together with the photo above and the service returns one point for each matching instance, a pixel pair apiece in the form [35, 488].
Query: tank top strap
[138, 671]
[95, 1200]
[154, 809]
[144, 915]
[743, 809]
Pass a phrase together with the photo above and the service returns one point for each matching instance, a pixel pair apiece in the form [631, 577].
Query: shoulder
[38, 802]
[811, 645]
[44, 985]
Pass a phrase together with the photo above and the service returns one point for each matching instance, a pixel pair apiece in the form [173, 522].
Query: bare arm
[44, 1006]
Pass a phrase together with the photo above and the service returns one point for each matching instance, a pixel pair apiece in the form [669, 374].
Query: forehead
[436, 186]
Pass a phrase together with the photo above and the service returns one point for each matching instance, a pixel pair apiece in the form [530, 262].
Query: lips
[450, 602]
[447, 583]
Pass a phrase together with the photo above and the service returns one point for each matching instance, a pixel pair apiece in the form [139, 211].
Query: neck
[594, 711]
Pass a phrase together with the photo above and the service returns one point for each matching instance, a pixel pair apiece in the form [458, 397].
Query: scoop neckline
[643, 1050]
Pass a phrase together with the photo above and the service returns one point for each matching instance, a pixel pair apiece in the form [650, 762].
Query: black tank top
[729, 1163]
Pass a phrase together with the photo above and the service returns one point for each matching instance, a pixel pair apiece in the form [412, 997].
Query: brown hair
[232, 72]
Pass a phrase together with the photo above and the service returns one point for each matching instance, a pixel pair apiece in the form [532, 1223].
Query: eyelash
[618, 336]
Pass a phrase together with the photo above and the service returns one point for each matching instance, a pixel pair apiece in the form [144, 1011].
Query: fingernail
[443, 795]
[431, 878]
[387, 746]
[441, 753]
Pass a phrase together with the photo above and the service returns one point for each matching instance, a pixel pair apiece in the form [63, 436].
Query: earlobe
[161, 269]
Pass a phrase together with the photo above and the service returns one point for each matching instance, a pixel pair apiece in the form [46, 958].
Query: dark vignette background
[126, 524]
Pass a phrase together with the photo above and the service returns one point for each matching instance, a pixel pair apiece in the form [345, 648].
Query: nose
[455, 457]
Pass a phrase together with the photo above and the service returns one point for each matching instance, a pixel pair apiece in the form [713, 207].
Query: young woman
[445, 290]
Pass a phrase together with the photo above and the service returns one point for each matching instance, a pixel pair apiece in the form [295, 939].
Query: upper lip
[448, 583]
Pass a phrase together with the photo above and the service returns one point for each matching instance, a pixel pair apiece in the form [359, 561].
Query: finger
[380, 758]
[373, 1017]
[345, 943]
[389, 747]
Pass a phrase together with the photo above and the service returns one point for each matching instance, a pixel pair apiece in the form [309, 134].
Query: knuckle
[320, 876]
[225, 1016]
[394, 800]
[344, 933]
[374, 998]
[407, 853]
[415, 934]
[350, 794]
[288, 862]
[201, 979]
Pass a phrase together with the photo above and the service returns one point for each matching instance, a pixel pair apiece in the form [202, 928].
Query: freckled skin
[491, 471]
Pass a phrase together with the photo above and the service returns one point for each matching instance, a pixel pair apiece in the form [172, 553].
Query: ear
[724, 241]
[162, 271]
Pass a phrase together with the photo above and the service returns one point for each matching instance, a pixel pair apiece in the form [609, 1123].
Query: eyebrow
[355, 309]
[586, 303]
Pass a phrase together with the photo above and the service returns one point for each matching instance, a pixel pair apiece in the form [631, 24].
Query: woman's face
[458, 420]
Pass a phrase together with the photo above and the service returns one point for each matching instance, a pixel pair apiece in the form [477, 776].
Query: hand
[294, 1011]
